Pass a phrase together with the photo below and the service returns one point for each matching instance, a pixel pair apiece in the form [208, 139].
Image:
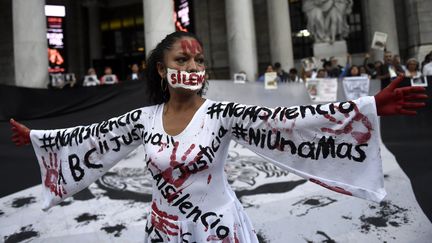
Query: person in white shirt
[412, 69]
[427, 69]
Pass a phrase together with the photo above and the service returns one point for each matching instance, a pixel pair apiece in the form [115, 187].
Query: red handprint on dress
[163, 221]
[52, 180]
[360, 137]
[186, 169]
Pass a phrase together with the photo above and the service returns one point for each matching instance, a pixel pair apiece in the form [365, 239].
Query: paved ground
[311, 213]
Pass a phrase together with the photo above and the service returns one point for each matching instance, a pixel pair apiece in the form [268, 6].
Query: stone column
[158, 21]
[382, 18]
[280, 33]
[419, 31]
[30, 43]
[241, 38]
[95, 35]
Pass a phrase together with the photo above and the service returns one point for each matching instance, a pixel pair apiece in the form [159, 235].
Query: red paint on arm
[360, 137]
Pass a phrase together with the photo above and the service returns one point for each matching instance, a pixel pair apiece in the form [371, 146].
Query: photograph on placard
[240, 78]
[379, 41]
[270, 80]
[419, 81]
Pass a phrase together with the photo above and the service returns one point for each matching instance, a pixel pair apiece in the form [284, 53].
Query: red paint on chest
[209, 178]
[186, 169]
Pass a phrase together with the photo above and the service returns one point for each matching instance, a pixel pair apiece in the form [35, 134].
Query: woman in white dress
[186, 140]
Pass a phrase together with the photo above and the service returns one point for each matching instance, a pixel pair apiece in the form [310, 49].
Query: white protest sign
[90, 80]
[270, 80]
[379, 41]
[239, 78]
[356, 87]
[57, 80]
[322, 89]
[109, 79]
[419, 81]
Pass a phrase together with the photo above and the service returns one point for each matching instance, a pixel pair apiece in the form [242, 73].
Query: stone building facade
[238, 35]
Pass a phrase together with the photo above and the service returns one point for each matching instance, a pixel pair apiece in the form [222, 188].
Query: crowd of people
[390, 67]
[60, 81]
[384, 70]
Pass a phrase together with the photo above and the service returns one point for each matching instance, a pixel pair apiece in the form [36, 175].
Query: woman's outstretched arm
[70, 159]
[335, 145]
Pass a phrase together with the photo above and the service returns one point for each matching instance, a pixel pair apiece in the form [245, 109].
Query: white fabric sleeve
[71, 159]
[334, 145]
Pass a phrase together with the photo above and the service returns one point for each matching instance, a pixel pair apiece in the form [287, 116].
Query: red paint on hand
[400, 101]
[20, 133]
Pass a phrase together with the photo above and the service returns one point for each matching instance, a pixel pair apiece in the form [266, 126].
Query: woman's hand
[20, 133]
[399, 101]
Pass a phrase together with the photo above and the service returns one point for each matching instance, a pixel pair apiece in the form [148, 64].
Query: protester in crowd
[347, 69]
[269, 69]
[108, 77]
[354, 71]
[335, 68]
[364, 72]
[135, 73]
[413, 70]
[387, 71]
[372, 69]
[293, 76]
[322, 73]
[306, 74]
[427, 59]
[91, 78]
[377, 69]
[186, 141]
[427, 65]
[283, 76]
[327, 66]
[143, 69]
[398, 66]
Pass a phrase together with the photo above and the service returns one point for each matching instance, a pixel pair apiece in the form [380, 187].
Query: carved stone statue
[326, 19]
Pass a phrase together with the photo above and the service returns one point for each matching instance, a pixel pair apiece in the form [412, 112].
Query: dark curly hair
[155, 92]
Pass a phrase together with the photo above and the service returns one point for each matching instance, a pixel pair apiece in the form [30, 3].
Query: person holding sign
[109, 77]
[186, 140]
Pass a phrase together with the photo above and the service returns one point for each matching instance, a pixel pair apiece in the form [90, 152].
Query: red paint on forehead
[191, 46]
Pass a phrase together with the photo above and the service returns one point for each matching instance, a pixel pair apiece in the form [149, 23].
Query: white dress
[334, 145]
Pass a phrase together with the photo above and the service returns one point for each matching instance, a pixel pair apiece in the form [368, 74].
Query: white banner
[356, 87]
[322, 89]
